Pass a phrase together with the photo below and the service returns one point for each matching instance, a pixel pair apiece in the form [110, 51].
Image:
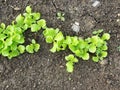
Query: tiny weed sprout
[70, 62]
[118, 48]
[61, 16]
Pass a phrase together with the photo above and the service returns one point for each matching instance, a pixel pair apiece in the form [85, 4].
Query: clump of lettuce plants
[94, 47]
[12, 37]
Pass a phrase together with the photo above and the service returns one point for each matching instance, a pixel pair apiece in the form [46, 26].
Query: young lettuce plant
[71, 60]
[33, 47]
[56, 37]
[30, 20]
[58, 43]
[49, 34]
[78, 46]
[99, 46]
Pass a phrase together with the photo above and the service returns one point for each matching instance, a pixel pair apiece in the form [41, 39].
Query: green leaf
[28, 9]
[72, 47]
[62, 19]
[92, 48]
[104, 47]
[49, 39]
[25, 27]
[1, 44]
[36, 16]
[2, 26]
[14, 53]
[50, 32]
[28, 21]
[98, 31]
[88, 40]
[106, 36]
[59, 14]
[95, 39]
[63, 46]
[69, 57]
[104, 54]
[54, 48]
[68, 40]
[95, 59]
[36, 47]
[21, 40]
[85, 56]
[16, 37]
[29, 48]
[69, 66]
[21, 48]
[33, 41]
[35, 27]
[5, 52]
[8, 42]
[2, 37]
[59, 37]
[42, 23]
[20, 19]
[82, 44]
[13, 46]
[75, 40]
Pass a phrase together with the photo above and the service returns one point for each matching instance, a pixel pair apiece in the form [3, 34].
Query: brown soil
[45, 70]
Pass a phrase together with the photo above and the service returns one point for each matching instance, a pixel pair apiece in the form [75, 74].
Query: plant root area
[47, 71]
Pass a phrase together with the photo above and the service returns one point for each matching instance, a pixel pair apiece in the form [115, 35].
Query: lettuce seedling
[100, 45]
[71, 60]
[49, 34]
[58, 43]
[79, 47]
[33, 47]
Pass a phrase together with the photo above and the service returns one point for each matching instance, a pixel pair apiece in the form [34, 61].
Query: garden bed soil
[46, 71]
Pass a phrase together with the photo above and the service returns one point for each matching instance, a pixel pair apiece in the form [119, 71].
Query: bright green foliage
[49, 34]
[58, 43]
[33, 47]
[61, 16]
[70, 62]
[82, 48]
[12, 36]
[56, 37]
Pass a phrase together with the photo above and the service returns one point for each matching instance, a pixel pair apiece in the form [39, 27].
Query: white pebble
[96, 4]
[76, 27]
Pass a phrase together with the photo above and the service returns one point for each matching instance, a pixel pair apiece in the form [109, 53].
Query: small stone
[74, 88]
[76, 27]
[17, 8]
[1, 68]
[61, 66]
[118, 20]
[118, 14]
[96, 3]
